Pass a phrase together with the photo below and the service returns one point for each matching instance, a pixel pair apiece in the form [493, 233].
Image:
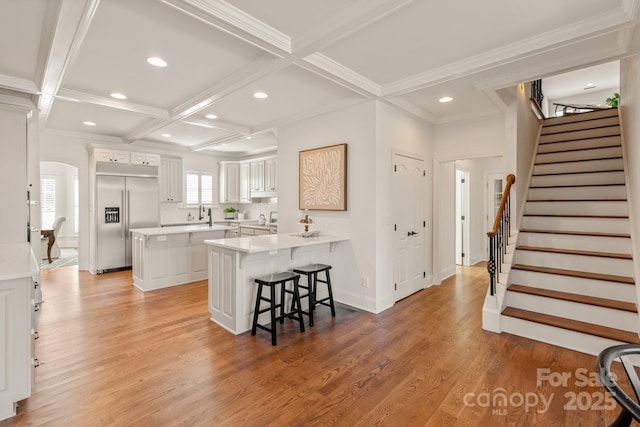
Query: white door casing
[409, 225]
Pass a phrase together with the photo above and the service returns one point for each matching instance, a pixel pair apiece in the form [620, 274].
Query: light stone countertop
[17, 261]
[180, 229]
[272, 242]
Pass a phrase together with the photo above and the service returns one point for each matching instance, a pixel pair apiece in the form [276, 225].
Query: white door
[408, 203]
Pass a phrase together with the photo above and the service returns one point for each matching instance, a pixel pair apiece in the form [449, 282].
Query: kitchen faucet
[210, 218]
[200, 212]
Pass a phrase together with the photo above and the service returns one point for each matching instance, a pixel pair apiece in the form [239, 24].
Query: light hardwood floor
[111, 355]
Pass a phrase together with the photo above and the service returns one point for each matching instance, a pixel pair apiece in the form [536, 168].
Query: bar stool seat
[295, 313]
[311, 272]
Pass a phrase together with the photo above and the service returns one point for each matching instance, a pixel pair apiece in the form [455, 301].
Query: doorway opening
[462, 215]
[59, 215]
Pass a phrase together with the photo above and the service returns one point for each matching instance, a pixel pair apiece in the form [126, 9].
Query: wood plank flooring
[111, 355]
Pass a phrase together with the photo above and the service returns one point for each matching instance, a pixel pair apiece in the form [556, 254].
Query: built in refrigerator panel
[142, 205]
[111, 237]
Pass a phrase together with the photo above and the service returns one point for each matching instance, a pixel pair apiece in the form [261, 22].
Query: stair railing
[499, 235]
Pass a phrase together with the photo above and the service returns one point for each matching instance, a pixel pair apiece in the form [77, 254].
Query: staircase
[572, 282]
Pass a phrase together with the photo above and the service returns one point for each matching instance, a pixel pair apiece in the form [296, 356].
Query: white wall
[630, 120]
[476, 139]
[356, 259]
[397, 131]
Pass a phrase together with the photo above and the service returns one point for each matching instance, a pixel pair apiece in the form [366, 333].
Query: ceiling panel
[69, 115]
[125, 33]
[291, 91]
[22, 22]
[292, 17]
[425, 35]
[257, 144]
[603, 76]
[186, 134]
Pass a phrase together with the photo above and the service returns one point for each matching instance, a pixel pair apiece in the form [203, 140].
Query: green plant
[230, 210]
[614, 100]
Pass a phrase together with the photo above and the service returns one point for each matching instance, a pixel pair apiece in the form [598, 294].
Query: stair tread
[575, 173]
[577, 160]
[576, 252]
[573, 273]
[573, 325]
[581, 117]
[577, 216]
[620, 184]
[579, 298]
[577, 233]
[576, 200]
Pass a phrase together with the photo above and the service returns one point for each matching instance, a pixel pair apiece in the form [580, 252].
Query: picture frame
[322, 178]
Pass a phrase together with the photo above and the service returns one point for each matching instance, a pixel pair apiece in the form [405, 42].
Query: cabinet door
[257, 176]
[152, 159]
[245, 183]
[270, 183]
[170, 180]
[102, 155]
[232, 184]
[120, 157]
[138, 159]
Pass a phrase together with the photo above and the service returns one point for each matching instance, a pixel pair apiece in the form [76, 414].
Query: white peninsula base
[235, 263]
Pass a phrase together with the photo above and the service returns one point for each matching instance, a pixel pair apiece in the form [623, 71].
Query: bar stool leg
[333, 308]
[257, 310]
[283, 288]
[296, 298]
[273, 314]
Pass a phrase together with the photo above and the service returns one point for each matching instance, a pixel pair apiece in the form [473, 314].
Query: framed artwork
[323, 178]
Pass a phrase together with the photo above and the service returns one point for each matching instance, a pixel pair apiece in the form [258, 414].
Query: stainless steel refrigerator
[123, 203]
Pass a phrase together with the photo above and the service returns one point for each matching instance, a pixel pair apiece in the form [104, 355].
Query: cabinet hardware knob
[36, 363]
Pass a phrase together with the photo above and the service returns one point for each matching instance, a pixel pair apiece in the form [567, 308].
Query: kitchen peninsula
[234, 263]
[170, 256]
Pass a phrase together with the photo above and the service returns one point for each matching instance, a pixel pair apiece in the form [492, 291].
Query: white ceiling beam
[236, 22]
[217, 141]
[86, 98]
[71, 25]
[338, 73]
[21, 85]
[218, 124]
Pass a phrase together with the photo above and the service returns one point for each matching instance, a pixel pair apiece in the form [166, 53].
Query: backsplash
[175, 213]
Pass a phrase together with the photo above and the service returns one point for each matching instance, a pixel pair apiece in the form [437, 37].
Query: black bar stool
[272, 281]
[311, 271]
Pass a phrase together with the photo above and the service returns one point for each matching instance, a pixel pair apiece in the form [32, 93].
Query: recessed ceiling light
[589, 86]
[260, 95]
[87, 123]
[166, 135]
[157, 62]
[248, 137]
[211, 116]
[445, 99]
[117, 95]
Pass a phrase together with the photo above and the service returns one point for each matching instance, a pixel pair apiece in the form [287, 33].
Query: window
[199, 189]
[48, 201]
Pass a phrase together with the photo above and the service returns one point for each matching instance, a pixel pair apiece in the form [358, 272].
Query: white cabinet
[145, 159]
[229, 182]
[111, 156]
[245, 183]
[257, 176]
[270, 181]
[170, 179]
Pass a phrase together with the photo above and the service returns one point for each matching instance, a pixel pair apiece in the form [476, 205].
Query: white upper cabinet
[111, 156]
[170, 179]
[270, 180]
[245, 183]
[145, 159]
[257, 176]
[229, 182]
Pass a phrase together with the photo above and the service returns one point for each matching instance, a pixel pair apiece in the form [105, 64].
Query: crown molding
[16, 103]
[551, 40]
[234, 21]
[83, 136]
[87, 98]
[630, 7]
[343, 73]
[18, 84]
[409, 107]
[476, 115]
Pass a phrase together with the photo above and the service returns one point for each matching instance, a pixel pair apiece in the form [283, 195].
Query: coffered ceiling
[309, 57]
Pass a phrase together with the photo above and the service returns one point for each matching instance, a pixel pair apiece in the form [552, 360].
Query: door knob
[411, 233]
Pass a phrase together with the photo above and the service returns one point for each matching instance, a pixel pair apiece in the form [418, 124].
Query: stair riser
[575, 285]
[580, 144]
[618, 319]
[581, 134]
[607, 192]
[600, 208]
[602, 225]
[586, 166]
[594, 178]
[571, 156]
[556, 336]
[591, 264]
[571, 127]
[573, 118]
[618, 245]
